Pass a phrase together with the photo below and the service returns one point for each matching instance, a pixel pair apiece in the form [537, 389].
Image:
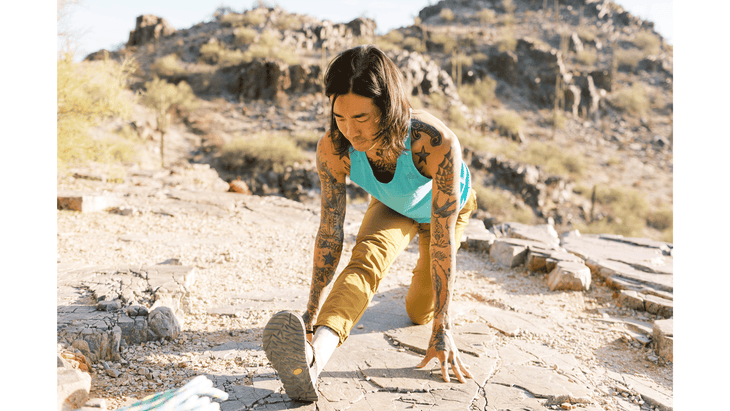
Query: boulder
[508, 253]
[149, 28]
[569, 275]
[163, 324]
[663, 334]
[239, 186]
[72, 388]
[85, 202]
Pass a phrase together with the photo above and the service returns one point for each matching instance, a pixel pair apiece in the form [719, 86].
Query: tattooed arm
[441, 156]
[328, 244]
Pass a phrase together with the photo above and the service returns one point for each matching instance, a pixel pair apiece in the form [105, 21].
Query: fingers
[445, 371]
[425, 360]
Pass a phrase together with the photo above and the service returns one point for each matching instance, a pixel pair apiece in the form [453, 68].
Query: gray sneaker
[285, 342]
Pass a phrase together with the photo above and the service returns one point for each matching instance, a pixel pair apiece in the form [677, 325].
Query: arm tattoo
[330, 236]
[418, 126]
[444, 210]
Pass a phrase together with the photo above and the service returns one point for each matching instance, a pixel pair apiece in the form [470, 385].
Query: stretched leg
[383, 235]
[420, 300]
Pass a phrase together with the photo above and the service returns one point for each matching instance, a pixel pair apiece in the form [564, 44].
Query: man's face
[358, 120]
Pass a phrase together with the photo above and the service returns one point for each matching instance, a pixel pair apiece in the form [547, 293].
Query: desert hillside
[565, 116]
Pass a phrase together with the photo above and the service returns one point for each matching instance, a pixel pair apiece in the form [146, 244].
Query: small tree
[162, 97]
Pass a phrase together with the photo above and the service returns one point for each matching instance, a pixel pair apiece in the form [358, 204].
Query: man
[411, 164]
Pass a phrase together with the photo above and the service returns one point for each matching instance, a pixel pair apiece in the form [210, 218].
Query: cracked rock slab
[540, 382]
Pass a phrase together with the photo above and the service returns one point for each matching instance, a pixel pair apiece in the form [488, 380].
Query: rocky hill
[565, 115]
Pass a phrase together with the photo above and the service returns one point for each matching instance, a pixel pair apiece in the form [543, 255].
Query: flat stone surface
[540, 382]
[540, 233]
[274, 299]
[589, 246]
[635, 278]
[651, 393]
[512, 323]
[501, 397]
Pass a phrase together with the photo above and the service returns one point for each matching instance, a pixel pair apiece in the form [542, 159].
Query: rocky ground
[252, 258]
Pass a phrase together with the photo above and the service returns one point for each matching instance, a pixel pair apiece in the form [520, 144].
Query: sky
[106, 24]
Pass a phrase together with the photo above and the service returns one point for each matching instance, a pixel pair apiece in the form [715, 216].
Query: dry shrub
[626, 211]
[509, 120]
[479, 93]
[629, 58]
[265, 150]
[87, 93]
[587, 56]
[244, 35]
[414, 44]
[487, 16]
[631, 100]
[447, 42]
[168, 66]
[446, 14]
[648, 42]
[553, 159]
[499, 204]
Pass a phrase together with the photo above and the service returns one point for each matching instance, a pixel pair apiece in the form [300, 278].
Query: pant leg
[382, 236]
[420, 300]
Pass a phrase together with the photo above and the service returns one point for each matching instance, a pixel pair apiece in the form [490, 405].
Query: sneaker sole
[285, 346]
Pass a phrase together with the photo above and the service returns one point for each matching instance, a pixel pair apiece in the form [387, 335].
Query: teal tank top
[409, 192]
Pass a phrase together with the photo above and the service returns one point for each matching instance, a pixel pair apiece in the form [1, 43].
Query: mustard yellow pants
[383, 234]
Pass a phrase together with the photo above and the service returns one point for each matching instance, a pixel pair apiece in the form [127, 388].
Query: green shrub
[587, 57]
[507, 41]
[168, 66]
[254, 17]
[486, 16]
[306, 139]
[474, 141]
[394, 36]
[499, 204]
[557, 119]
[87, 93]
[446, 14]
[586, 33]
[626, 211]
[553, 159]
[661, 219]
[414, 44]
[276, 151]
[631, 100]
[479, 93]
[244, 35]
[270, 45]
[648, 42]
[456, 117]
[288, 22]
[509, 121]
[215, 53]
[437, 100]
[629, 57]
[161, 96]
[508, 6]
[448, 42]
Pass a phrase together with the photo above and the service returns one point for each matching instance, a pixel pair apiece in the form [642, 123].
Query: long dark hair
[368, 72]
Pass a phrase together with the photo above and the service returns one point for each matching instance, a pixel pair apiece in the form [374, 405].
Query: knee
[420, 310]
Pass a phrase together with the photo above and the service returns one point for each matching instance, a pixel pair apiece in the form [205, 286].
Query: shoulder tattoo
[418, 127]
